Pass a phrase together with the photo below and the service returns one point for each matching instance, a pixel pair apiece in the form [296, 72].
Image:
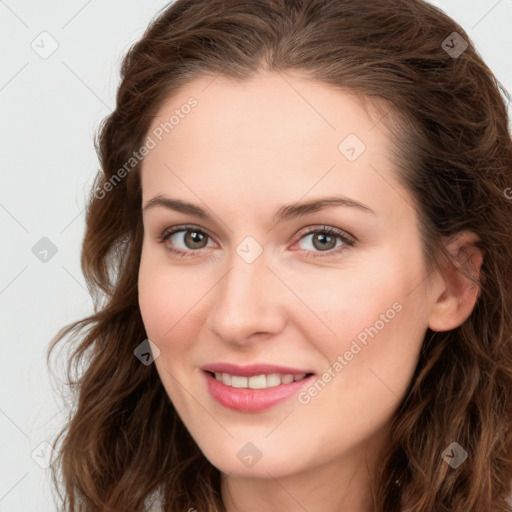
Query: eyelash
[348, 242]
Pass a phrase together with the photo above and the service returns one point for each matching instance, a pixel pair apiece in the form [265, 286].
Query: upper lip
[252, 369]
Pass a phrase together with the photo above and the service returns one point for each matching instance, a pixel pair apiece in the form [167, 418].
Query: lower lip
[252, 400]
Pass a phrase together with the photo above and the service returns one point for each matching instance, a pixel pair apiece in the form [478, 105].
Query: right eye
[192, 239]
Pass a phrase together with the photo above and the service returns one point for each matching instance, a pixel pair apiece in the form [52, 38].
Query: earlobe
[459, 293]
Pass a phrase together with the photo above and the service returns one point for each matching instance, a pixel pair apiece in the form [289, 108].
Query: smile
[255, 393]
[257, 381]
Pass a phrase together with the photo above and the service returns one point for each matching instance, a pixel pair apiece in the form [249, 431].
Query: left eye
[323, 239]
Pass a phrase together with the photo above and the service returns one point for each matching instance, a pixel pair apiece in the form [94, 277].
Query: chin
[248, 460]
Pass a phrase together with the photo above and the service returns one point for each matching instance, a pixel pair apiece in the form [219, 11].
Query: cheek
[163, 310]
[370, 361]
[158, 297]
[373, 320]
[343, 303]
[170, 303]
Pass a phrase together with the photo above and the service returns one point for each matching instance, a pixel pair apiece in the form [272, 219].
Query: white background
[50, 109]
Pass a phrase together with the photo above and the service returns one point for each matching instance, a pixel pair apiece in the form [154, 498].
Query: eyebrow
[283, 213]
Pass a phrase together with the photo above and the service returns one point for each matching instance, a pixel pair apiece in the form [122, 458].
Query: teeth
[275, 379]
[258, 381]
[238, 382]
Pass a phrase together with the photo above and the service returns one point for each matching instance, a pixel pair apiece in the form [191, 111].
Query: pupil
[195, 237]
[324, 238]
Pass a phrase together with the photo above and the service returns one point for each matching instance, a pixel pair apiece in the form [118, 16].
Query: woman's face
[254, 287]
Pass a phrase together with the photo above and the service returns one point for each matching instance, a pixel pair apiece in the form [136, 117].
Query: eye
[325, 240]
[322, 240]
[192, 240]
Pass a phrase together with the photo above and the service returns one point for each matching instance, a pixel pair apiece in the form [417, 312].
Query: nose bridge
[245, 301]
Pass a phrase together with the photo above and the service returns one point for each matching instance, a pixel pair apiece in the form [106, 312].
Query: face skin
[244, 151]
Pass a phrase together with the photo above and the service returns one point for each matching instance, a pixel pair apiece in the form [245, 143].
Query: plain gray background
[51, 105]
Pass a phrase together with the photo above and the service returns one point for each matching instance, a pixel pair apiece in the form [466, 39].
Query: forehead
[267, 105]
[275, 134]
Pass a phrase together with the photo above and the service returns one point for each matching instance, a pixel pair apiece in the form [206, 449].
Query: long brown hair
[124, 441]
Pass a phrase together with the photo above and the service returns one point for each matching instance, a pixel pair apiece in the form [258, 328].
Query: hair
[124, 442]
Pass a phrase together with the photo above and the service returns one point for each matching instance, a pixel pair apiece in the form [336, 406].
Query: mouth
[262, 381]
[254, 393]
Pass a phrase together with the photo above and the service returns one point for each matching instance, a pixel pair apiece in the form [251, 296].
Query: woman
[300, 252]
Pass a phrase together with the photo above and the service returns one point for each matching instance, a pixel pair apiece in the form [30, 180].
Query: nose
[247, 302]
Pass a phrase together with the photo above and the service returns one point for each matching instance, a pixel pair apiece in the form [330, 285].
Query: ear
[458, 294]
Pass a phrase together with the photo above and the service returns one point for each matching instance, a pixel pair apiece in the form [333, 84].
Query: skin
[242, 152]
